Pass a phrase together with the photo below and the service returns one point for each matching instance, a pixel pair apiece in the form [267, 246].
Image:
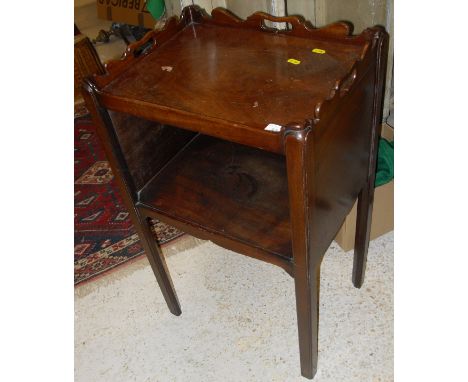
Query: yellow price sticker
[294, 61]
[319, 51]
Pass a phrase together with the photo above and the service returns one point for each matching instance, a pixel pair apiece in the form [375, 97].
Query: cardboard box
[382, 214]
[131, 12]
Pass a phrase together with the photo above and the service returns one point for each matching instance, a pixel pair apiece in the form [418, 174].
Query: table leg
[363, 227]
[306, 258]
[127, 189]
[158, 264]
[307, 306]
[366, 196]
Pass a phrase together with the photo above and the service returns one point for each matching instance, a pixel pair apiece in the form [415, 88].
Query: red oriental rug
[104, 235]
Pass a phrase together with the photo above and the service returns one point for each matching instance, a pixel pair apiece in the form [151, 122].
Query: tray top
[231, 78]
[242, 76]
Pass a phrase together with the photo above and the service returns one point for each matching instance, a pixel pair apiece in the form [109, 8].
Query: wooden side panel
[146, 145]
[341, 146]
[106, 133]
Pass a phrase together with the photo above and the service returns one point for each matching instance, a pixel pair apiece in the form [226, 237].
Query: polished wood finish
[278, 196]
[161, 143]
[214, 185]
[294, 88]
[366, 195]
[128, 191]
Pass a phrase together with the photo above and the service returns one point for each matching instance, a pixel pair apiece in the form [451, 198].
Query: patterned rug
[104, 235]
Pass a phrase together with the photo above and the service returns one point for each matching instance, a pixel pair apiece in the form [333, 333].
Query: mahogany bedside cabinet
[257, 139]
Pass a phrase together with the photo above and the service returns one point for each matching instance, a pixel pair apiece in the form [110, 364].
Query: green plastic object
[156, 8]
[384, 172]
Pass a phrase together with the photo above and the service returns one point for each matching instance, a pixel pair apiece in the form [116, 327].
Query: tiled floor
[238, 321]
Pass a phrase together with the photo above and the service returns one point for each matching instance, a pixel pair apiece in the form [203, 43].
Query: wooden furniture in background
[87, 62]
[185, 117]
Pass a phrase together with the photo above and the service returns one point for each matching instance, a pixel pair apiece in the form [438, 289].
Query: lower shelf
[233, 191]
